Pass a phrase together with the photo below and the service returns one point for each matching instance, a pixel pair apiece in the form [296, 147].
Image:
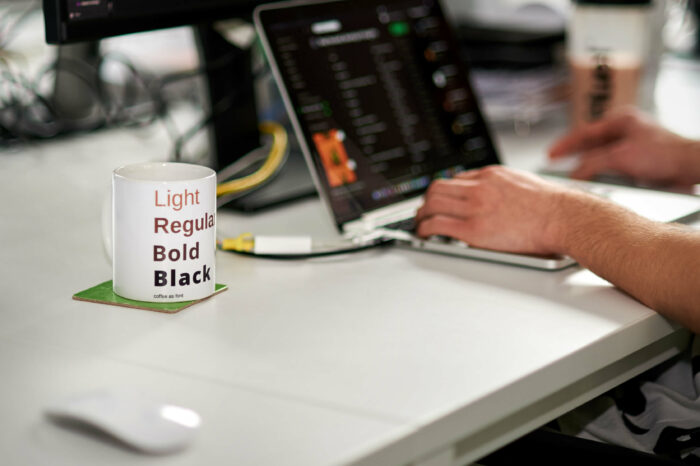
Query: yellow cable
[244, 242]
[272, 163]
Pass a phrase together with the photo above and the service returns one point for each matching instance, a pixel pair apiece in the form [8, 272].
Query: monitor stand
[233, 131]
[76, 74]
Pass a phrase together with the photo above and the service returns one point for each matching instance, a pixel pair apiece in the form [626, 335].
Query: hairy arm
[656, 263]
[504, 209]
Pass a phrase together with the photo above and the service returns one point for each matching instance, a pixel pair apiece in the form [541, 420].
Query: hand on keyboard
[498, 208]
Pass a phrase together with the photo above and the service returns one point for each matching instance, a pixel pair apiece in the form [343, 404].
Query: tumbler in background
[609, 51]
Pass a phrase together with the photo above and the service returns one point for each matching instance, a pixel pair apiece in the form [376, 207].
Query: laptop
[381, 103]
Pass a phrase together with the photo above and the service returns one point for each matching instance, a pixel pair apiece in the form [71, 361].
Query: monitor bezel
[60, 30]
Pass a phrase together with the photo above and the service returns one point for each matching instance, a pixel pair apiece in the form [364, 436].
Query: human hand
[498, 208]
[630, 144]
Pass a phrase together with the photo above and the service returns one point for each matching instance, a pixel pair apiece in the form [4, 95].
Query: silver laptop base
[455, 248]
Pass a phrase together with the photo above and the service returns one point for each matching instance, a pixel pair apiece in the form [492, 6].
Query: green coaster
[103, 293]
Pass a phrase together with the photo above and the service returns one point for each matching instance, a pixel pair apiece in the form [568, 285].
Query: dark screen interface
[88, 9]
[384, 101]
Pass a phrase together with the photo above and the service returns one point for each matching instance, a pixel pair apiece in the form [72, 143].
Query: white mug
[163, 231]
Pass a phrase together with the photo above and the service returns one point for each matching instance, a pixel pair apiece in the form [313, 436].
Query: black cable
[312, 255]
[16, 112]
[197, 127]
[218, 108]
[26, 114]
[161, 83]
[25, 102]
[131, 94]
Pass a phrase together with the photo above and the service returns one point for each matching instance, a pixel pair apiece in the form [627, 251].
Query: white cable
[282, 244]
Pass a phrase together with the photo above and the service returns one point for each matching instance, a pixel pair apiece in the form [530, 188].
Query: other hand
[628, 143]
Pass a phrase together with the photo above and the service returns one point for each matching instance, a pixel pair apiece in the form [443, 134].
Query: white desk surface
[378, 358]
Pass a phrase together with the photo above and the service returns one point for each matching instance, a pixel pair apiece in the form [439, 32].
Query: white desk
[380, 358]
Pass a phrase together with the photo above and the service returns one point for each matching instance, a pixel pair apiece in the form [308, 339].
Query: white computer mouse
[144, 425]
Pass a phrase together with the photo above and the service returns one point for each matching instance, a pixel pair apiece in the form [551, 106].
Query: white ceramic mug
[163, 231]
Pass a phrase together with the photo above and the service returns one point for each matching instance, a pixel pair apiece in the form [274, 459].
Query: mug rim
[177, 172]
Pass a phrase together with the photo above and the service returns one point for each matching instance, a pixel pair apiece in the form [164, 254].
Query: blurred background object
[610, 55]
[681, 33]
[516, 52]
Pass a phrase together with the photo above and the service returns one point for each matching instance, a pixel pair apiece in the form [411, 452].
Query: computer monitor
[80, 23]
[83, 20]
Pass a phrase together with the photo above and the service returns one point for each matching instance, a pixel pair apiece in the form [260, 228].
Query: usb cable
[293, 247]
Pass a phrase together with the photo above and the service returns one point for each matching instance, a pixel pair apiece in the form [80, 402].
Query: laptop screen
[381, 95]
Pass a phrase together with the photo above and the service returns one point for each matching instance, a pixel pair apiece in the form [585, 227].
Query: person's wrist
[557, 234]
[572, 216]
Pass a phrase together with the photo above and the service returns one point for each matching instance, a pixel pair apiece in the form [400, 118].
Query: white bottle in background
[612, 54]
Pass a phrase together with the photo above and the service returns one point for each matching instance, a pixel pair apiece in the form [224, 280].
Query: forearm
[657, 264]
